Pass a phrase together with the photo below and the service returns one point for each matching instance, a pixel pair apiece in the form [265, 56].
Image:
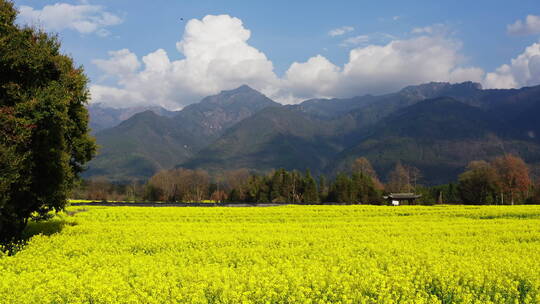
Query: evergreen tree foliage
[323, 188]
[234, 196]
[478, 184]
[311, 194]
[362, 166]
[278, 190]
[341, 190]
[44, 138]
[364, 189]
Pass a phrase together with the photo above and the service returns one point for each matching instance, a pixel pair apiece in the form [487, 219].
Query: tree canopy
[44, 135]
[501, 181]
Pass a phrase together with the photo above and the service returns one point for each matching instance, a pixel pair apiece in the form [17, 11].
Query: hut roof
[403, 196]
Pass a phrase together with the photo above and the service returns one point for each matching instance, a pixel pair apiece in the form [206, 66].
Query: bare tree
[181, 184]
[414, 175]
[236, 179]
[200, 180]
[399, 179]
[219, 196]
[165, 182]
[363, 166]
[98, 188]
[513, 176]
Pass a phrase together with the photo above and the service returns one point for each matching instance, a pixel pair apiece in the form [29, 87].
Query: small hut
[395, 199]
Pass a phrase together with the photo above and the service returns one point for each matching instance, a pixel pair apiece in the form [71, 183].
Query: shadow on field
[54, 224]
[46, 227]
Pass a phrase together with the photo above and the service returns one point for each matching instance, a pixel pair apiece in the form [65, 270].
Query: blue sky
[471, 38]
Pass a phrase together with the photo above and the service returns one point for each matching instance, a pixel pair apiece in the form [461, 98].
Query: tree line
[504, 180]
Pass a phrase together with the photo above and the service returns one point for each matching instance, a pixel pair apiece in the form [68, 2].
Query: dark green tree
[253, 188]
[152, 193]
[291, 190]
[310, 194]
[264, 189]
[297, 186]
[429, 196]
[44, 138]
[323, 188]
[452, 195]
[478, 185]
[363, 189]
[277, 186]
[341, 189]
[443, 194]
[234, 196]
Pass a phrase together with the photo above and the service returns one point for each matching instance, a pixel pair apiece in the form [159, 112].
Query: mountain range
[436, 127]
[103, 117]
[148, 142]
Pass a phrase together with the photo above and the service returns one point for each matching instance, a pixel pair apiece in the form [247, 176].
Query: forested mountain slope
[437, 127]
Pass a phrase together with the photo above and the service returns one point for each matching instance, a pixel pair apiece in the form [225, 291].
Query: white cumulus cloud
[377, 69]
[401, 62]
[524, 70]
[316, 77]
[340, 31]
[83, 18]
[217, 57]
[116, 97]
[121, 62]
[530, 26]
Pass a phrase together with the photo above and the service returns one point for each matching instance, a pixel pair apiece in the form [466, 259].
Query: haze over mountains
[103, 117]
[437, 127]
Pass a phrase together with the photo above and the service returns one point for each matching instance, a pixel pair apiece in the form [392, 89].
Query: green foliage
[442, 194]
[504, 180]
[276, 137]
[278, 190]
[146, 143]
[152, 193]
[479, 184]
[311, 194]
[366, 192]
[44, 139]
[323, 188]
[280, 186]
[438, 136]
[359, 189]
[341, 191]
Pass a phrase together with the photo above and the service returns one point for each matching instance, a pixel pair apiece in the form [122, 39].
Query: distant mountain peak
[430, 85]
[103, 116]
[145, 113]
[243, 89]
[433, 89]
[474, 85]
[241, 96]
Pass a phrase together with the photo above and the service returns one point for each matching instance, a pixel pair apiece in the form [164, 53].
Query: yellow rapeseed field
[289, 254]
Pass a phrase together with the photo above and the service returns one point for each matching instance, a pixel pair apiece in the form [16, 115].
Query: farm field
[286, 254]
